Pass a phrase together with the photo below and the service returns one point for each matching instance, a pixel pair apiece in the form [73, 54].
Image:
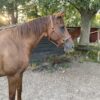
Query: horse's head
[57, 32]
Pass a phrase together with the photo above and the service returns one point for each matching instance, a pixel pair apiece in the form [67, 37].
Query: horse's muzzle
[68, 46]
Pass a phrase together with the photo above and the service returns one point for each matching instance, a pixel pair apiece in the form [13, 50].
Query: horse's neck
[33, 40]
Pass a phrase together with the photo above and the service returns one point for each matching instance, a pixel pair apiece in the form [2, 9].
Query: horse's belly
[12, 59]
[9, 62]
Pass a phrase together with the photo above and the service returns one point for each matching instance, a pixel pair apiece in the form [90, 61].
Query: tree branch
[74, 6]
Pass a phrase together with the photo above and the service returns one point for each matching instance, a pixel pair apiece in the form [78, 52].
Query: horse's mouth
[68, 47]
[68, 50]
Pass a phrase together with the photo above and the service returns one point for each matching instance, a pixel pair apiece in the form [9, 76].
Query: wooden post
[98, 57]
[98, 37]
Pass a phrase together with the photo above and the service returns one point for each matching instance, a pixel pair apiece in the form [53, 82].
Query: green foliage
[88, 53]
[36, 8]
[43, 7]
[11, 7]
[11, 4]
[72, 16]
[92, 55]
[96, 21]
[46, 7]
[86, 5]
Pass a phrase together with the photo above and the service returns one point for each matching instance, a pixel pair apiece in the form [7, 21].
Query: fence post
[98, 37]
[98, 57]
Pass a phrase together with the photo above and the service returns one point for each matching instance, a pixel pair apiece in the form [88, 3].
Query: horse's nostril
[63, 41]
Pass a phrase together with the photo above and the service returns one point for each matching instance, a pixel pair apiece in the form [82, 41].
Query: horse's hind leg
[19, 87]
[12, 87]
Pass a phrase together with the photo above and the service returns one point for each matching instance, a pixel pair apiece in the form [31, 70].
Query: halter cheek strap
[52, 30]
[51, 22]
[52, 27]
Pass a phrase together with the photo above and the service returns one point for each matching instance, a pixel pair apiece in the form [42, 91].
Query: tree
[87, 9]
[11, 8]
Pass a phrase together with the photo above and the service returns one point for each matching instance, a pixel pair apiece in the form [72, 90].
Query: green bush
[92, 55]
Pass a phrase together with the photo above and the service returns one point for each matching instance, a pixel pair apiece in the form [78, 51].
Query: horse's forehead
[59, 19]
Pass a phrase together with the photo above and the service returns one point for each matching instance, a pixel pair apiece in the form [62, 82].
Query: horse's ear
[59, 14]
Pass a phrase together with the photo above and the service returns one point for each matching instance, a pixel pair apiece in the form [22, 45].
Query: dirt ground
[80, 81]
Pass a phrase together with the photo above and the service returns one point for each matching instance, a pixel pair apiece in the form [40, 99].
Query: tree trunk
[14, 17]
[85, 29]
[13, 12]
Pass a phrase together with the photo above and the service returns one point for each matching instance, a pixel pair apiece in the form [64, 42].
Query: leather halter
[53, 31]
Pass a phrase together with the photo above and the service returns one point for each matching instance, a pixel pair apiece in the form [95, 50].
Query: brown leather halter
[53, 31]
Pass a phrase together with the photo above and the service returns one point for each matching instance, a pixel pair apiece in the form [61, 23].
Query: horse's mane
[36, 26]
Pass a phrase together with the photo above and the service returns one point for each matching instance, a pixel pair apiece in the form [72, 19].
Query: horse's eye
[59, 17]
[62, 29]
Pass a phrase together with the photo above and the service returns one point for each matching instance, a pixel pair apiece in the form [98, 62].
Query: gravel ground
[81, 81]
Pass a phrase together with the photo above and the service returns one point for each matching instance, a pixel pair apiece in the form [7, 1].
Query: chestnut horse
[17, 42]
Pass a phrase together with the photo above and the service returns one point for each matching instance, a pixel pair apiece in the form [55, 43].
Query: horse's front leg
[12, 87]
[19, 87]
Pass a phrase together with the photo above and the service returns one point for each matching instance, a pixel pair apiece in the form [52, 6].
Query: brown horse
[16, 44]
